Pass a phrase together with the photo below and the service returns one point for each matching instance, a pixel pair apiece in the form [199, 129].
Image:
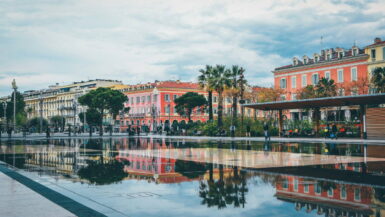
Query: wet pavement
[186, 177]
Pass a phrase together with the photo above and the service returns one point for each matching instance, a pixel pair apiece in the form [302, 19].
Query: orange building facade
[342, 66]
[153, 104]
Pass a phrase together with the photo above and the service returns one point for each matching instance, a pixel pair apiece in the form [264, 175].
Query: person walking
[248, 130]
[266, 131]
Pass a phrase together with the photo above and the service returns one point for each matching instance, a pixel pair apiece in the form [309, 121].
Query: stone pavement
[17, 200]
[21, 196]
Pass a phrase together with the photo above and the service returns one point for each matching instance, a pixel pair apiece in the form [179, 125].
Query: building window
[155, 97]
[214, 99]
[354, 74]
[330, 192]
[282, 83]
[285, 184]
[340, 76]
[383, 53]
[304, 80]
[295, 184]
[327, 75]
[314, 79]
[293, 82]
[343, 192]
[306, 188]
[137, 99]
[293, 96]
[317, 188]
[175, 96]
[143, 99]
[167, 97]
[373, 54]
[357, 194]
[148, 98]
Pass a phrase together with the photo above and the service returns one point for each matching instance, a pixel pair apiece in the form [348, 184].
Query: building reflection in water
[345, 189]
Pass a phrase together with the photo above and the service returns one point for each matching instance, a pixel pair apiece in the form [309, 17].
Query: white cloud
[140, 41]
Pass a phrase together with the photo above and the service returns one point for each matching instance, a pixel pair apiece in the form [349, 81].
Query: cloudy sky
[43, 42]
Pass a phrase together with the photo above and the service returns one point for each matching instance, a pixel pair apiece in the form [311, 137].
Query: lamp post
[41, 112]
[5, 113]
[75, 110]
[14, 87]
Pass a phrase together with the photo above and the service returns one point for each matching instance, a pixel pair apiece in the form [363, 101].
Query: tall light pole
[41, 112]
[5, 112]
[14, 87]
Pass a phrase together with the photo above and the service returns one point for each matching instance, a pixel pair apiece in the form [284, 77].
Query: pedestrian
[47, 132]
[248, 130]
[266, 131]
[232, 130]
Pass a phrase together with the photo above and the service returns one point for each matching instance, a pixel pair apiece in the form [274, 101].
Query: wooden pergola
[317, 103]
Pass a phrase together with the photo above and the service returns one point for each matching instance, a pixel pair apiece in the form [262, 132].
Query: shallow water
[175, 177]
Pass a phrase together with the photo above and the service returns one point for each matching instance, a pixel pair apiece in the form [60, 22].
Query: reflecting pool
[176, 177]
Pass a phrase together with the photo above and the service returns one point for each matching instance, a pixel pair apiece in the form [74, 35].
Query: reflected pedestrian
[47, 132]
[266, 131]
[334, 131]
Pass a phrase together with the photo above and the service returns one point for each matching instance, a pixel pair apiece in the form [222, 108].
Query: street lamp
[5, 112]
[14, 87]
[41, 112]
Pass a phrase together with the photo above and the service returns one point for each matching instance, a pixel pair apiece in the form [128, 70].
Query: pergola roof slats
[320, 102]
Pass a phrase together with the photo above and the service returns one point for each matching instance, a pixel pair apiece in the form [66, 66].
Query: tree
[204, 80]
[325, 88]
[57, 121]
[266, 94]
[104, 100]
[93, 117]
[378, 79]
[307, 92]
[359, 87]
[35, 123]
[187, 102]
[220, 82]
[237, 88]
[20, 109]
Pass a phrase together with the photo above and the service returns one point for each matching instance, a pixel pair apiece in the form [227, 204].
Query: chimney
[377, 40]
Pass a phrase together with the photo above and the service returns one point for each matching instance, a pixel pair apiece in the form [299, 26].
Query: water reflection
[225, 176]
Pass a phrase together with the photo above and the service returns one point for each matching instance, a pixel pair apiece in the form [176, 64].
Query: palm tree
[236, 75]
[378, 79]
[326, 88]
[220, 81]
[204, 82]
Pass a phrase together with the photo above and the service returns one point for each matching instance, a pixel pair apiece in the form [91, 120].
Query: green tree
[325, 88]
[204, 80]
[220, 82]
[237, 88]
[187, 102]
[57, 121]
[378, 79]
[35, 123]
[93, 117]
[20, 110]
[104, 100]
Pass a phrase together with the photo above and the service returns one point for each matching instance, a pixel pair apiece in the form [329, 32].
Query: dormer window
[329, 56]
[305, 60]
[354, 51]
[295, 61]
[316, 59]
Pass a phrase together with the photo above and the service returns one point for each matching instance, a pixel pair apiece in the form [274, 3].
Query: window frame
[304, 80]
[340, 79]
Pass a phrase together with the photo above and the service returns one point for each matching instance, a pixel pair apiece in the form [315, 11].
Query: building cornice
[322, 64]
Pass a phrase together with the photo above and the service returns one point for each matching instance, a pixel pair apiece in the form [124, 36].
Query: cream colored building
[61, 100]
[376, 52]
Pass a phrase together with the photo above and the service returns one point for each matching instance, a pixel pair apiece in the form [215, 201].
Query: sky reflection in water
[155, 177]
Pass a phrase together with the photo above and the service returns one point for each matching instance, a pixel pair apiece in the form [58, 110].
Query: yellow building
[376, 52]
[61, 100]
